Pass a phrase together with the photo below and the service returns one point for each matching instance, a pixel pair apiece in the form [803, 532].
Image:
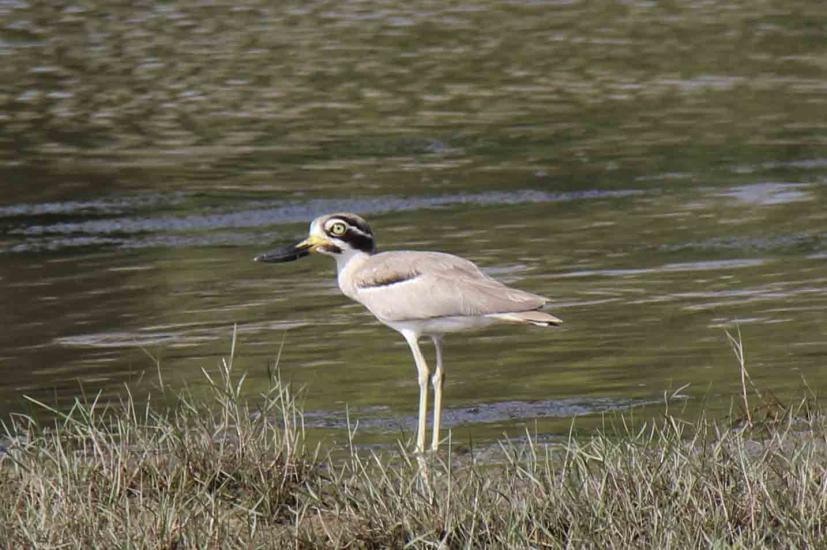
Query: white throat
[347, 263]
[349, 258]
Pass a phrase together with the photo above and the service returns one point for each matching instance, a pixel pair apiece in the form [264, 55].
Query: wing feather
[401, 286]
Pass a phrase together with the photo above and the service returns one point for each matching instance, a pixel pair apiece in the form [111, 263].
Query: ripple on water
[777, 243]
[99, 207]
[799, 164]
[711, 265]
[769, 193]
[174, 231]
[379, 419]
[172, 335]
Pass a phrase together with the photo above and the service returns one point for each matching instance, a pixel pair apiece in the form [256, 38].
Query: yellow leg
[422, 372]
[438, 380]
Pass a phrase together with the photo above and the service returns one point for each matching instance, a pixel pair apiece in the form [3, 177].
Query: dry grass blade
[738, 349]
[220, 472]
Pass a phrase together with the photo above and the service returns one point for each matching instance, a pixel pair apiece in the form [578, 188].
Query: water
[660, 172]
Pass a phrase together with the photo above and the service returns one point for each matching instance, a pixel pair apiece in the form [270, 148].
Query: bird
[417, 293]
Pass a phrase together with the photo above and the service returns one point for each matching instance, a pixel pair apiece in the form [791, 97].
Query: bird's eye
[338, 229]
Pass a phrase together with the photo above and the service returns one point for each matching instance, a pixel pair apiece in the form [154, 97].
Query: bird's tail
[539, 318]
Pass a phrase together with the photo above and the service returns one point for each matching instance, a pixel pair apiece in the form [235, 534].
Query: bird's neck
[346, 264]
[349, 258]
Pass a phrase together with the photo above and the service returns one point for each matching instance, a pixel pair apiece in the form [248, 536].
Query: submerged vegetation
[223, 473]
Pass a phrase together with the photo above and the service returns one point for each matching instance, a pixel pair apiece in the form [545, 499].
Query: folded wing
[402, 286]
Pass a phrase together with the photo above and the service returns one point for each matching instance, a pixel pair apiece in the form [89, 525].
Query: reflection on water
[381, 419]
[118, 230]
[769, 193]
[657, 171]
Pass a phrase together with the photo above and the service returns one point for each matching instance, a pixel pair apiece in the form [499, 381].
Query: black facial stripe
[356, 231]
[357, 223]
[359, 241]
[358, 234]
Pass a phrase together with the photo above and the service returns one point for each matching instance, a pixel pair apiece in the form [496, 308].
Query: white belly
[440, 325]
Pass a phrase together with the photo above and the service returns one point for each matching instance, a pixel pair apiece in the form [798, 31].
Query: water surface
[659, 172]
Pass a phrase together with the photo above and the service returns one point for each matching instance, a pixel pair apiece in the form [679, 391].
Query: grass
[222, 473]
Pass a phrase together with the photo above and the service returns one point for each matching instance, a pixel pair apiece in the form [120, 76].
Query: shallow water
[659, 172]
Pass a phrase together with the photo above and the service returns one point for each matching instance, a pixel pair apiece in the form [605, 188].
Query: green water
[658, 170]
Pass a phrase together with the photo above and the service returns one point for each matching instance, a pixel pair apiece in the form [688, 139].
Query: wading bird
[415, 293]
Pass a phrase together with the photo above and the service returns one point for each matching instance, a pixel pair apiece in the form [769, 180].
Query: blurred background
[659, 170]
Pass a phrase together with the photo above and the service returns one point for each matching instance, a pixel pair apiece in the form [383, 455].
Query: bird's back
[410, 285]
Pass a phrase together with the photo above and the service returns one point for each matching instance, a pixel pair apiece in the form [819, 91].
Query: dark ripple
[800, 242]
[98, 206]
[57, 236]
[484, 413]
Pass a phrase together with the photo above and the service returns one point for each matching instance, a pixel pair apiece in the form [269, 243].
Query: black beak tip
[287, 253]
[271, 258]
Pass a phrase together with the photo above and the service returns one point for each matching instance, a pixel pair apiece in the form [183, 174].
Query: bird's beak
[293, 251]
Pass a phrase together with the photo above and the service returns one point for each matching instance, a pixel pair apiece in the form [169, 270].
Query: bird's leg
[437, 380]
[422, 371]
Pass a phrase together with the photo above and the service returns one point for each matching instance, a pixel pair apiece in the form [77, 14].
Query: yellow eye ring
[338, 229]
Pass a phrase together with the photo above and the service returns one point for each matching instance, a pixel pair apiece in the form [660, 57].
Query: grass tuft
[217, 472]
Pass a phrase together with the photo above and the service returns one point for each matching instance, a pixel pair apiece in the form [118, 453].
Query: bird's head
[339, 235]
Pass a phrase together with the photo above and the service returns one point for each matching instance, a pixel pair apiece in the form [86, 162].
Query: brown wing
[400, 286]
